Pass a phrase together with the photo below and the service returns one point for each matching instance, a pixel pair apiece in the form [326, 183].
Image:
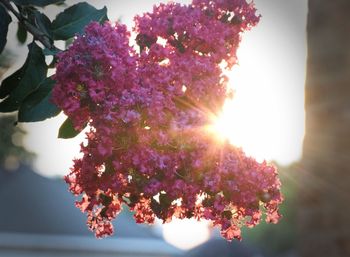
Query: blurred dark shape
[222, 248]
[38, 219]
[323, 217]
[37, 205]
[12, 152]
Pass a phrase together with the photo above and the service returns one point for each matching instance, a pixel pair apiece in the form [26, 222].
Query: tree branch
[36, 32]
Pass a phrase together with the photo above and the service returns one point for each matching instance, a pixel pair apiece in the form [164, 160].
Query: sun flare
[261, 118]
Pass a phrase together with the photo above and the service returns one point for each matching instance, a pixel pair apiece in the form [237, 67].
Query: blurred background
[290, 107]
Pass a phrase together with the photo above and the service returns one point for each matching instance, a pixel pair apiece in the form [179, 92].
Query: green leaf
[38, 106]
[21, 33]
[68, 42]
[40, 3]
[67, 130]
[24, 81]
[54, 51]
[11, 82]
[73, 20]
[5, 20]
[43, 23]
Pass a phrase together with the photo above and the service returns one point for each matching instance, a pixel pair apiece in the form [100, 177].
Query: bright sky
[266, 116]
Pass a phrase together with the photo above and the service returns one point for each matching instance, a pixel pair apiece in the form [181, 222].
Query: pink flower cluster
[147, 146]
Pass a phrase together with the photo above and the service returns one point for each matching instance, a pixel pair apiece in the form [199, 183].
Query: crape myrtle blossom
[148, 109]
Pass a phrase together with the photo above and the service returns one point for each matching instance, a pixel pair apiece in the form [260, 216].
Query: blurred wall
[324, 223]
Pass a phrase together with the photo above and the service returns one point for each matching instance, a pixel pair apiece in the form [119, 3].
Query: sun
[266, 115]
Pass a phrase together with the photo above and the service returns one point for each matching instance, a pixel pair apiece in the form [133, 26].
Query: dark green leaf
[51, 51]
[11, 82]
[40, 3]
[38, 106]
[73, 20]
[5, 20]
[43, 23]
[21, 33]
[67, 130]
[26, 80]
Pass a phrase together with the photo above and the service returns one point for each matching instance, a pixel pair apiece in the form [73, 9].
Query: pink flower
[146, 112]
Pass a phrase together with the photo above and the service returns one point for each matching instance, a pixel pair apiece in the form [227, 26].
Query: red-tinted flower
[146, 147]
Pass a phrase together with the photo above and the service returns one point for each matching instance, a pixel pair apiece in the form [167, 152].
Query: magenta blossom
[147, 146]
